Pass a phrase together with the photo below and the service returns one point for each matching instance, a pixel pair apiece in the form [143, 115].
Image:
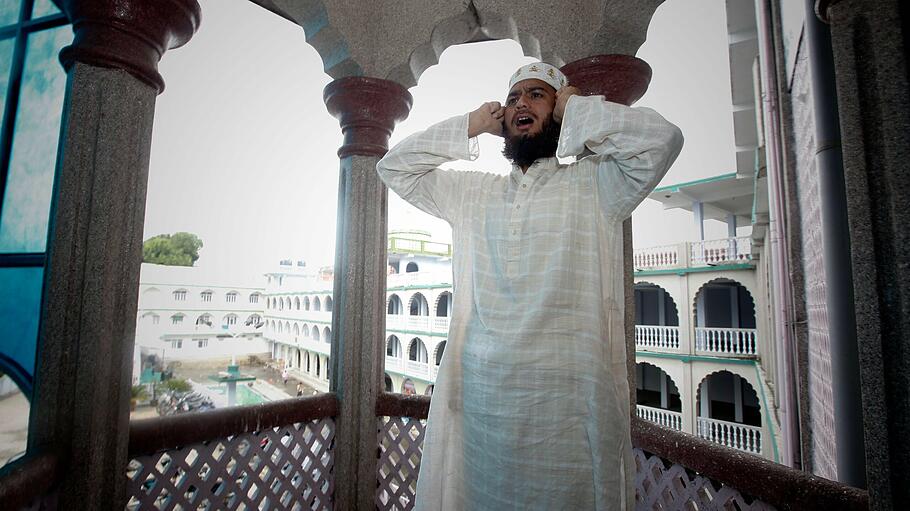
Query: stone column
[367, 109]
[80, 410]
[621, 79]
[870, 45]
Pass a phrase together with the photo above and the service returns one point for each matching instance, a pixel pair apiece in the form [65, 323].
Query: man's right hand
[486, 119]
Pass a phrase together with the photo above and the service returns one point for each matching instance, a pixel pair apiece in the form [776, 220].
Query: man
[531, 404]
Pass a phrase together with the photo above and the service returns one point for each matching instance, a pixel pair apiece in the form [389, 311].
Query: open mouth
[523, 120]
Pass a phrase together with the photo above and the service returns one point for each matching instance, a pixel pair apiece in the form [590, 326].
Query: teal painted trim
[416, 332]
[761, 388]
[204, 287]
[677, 187]
[696, 358]
[298, 319]
[408, 288]
[699, 269]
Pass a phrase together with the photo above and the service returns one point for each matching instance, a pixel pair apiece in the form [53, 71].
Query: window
[205, 319]
[201, 343]
[176, 319]
[180, 295]
[230, 319]
[255, 321]
[32, 84]
[411, 268]
[206, 296]
[254, 298]
[176, 345]
[156, 319]
[231, 297]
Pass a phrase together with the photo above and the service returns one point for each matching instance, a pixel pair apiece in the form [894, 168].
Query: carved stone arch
[470, 26]
[327, 40]
[723, 280]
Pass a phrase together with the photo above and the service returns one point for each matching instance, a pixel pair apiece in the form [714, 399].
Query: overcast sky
[243, 150]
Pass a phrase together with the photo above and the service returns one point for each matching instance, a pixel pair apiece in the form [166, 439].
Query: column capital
[131, 35]
[367, 109]
[619, 78]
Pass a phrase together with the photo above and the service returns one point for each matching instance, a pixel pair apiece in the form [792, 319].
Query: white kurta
[531, 405]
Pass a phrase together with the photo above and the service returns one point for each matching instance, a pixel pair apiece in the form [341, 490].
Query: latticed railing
[701, 475]
[271, 456]
[279, 456]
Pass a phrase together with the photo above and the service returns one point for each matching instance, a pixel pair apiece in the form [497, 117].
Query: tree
[178, 249]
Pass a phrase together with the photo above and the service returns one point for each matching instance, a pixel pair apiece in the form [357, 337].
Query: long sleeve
[633, 149]
[411, 168]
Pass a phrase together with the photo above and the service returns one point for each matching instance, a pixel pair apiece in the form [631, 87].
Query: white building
[187, 314]
[298, 315]
[702, 334]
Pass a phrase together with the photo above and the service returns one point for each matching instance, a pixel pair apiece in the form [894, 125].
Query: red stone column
[80, 409]
[367, 109]
[621, 79]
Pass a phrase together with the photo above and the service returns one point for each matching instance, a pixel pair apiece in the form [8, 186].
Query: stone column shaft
[367, 109]
[80, 410]
[870, 45]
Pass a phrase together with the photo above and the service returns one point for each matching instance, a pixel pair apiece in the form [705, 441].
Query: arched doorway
[657, 397]
[725, 319]
[729, 412]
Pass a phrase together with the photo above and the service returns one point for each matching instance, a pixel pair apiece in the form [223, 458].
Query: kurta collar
[535, 170]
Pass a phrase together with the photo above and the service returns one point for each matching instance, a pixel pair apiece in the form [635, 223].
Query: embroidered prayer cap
[541, 71]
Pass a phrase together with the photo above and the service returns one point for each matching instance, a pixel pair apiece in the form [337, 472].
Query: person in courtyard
[531, 405]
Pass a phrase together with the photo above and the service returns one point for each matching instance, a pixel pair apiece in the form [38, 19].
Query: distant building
[186, 314]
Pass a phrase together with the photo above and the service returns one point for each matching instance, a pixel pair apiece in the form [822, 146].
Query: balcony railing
[417, 369]
[666, 256]
[661, 417]
[722, 251]
[270, 455]
[726, 341]
[437, 325]
[674, 470]
[281, 455]
[412, 246]
[731, 434]
[657, 338]
[694, 254]
[394, 364]
[421, 323]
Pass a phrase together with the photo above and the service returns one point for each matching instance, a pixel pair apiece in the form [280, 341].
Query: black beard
[523, 150]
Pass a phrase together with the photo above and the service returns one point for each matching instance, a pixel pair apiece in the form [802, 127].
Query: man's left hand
[562, 97]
